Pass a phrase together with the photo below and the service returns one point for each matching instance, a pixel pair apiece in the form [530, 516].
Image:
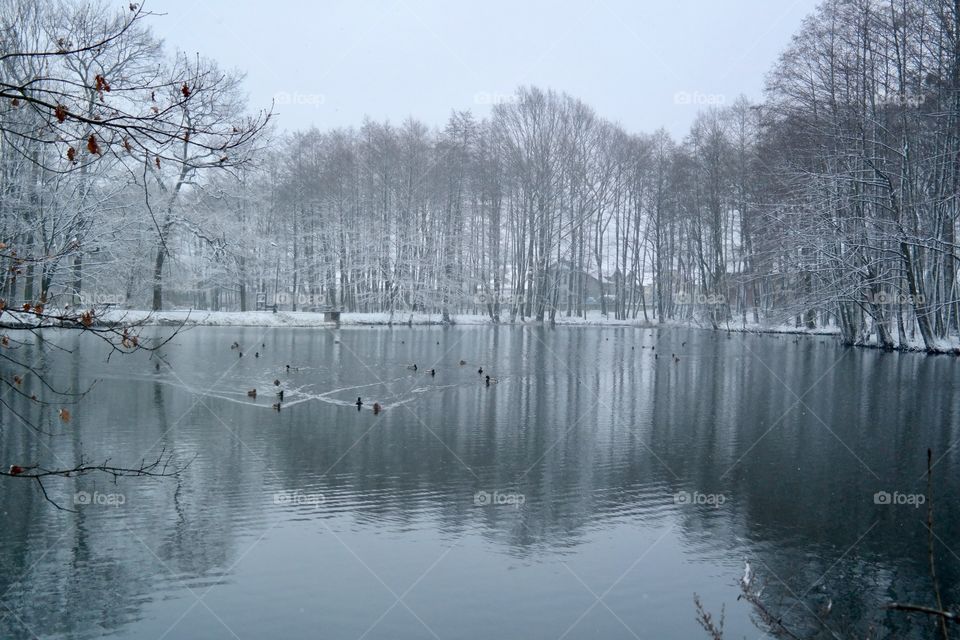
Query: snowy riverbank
[306, 319]
[309, 319]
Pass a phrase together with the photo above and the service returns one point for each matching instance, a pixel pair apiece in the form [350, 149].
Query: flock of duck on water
[488, 380]
[377, 407]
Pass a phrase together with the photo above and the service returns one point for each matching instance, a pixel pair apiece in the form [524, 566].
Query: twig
[774, 623]
[919, 608]
[159, 468]
[705, 618]
[933, 569]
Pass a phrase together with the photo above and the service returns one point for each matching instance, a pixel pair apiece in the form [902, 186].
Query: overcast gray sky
[328, 63]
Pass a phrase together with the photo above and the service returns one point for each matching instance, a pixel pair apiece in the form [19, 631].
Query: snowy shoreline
[307, 319]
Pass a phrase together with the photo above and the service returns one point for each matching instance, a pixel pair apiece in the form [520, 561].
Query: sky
[645, 64]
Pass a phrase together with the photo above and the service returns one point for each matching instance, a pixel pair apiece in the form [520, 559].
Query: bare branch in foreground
[162, 466]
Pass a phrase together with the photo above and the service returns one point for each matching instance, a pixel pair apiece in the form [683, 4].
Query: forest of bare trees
[132, 176]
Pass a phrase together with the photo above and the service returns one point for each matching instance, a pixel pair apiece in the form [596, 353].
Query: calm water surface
[589, 493]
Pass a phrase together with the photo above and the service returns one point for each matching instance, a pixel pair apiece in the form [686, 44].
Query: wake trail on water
[293, 396]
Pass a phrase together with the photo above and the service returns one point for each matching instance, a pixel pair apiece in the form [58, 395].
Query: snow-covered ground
[309, 319]
[753, 327]
[200, 318]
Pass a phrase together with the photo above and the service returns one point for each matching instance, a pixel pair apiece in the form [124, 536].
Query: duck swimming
[252, 393]
[359, 403]
[412, 367]
[376, 407]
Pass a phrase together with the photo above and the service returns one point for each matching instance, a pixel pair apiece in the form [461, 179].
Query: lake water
[589, 493]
